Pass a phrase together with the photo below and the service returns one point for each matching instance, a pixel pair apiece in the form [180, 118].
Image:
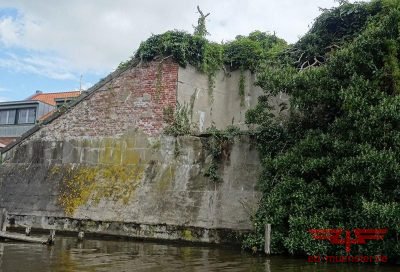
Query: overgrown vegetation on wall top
[245, 52]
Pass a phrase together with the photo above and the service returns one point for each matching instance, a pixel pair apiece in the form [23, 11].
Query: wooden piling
[267, 244]
[28, 231]
[52, 236]
[3, 219]
[81, 235]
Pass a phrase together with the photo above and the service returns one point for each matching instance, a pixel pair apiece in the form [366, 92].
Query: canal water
[103, 255]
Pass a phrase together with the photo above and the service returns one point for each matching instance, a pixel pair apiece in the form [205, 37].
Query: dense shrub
[335, 161]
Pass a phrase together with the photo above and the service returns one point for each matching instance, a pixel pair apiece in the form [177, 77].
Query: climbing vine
[212, 62]
[218, 146]
[242, 85]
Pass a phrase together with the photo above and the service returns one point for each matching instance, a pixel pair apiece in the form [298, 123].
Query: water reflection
[95, 255]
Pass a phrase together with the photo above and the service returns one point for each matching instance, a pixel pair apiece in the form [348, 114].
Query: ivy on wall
[218, 145]
[245, 52]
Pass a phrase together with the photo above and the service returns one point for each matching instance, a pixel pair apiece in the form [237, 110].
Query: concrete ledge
[130, 230]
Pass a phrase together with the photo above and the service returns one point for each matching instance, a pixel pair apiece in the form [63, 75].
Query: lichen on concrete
[81, 184]
[132, 179]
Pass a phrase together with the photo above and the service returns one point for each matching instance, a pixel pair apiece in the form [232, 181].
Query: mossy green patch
[187, 235]
[130, 156]
[83, 183]
[77, 185]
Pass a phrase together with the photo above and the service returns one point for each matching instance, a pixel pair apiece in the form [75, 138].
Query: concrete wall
[103, 167]
[148, 187]
[222, 106]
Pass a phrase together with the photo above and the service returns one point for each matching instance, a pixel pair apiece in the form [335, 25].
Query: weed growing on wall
[242, 86]
[178, 121]
[218, 145]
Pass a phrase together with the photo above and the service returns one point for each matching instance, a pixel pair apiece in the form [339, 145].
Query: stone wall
[132, 180]
[103, 166]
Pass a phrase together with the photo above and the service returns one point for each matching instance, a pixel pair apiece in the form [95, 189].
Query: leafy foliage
[249, 52]
[218, 145]
[209, 57]
[178, 120]
[246, 52]
[335, 161]
[332, 29]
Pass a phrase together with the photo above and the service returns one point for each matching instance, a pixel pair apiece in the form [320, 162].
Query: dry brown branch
[309, 65]
[302, 54]
[201, 13]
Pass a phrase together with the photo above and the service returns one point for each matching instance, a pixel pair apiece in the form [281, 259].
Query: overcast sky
[46, 45]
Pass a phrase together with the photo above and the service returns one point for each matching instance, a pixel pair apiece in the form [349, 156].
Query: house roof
[7, 140]
[50, 98]
[43, 117]
[14, 103]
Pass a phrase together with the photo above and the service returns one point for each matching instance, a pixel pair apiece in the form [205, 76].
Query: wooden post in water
[81, 235]
[28, 231]
[267, 245]
[3, 219]
[52, 236]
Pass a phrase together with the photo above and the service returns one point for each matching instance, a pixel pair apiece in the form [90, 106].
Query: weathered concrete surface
[223, 106]
[131, 185]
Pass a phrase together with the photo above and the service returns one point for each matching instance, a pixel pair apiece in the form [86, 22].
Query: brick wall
[134, 100]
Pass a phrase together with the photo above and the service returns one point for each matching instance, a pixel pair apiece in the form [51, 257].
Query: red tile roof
[49, 98]
[6, 140]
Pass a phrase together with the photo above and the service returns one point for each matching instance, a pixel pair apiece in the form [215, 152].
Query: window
[18, 116]
[26, 116]
[63, 101]
[7, 117]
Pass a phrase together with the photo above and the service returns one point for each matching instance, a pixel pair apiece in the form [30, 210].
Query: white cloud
[95, 35]
[86, 85]
[9, 31]
[50, 67]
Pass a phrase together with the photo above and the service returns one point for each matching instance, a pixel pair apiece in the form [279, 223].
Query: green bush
[335, 161]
